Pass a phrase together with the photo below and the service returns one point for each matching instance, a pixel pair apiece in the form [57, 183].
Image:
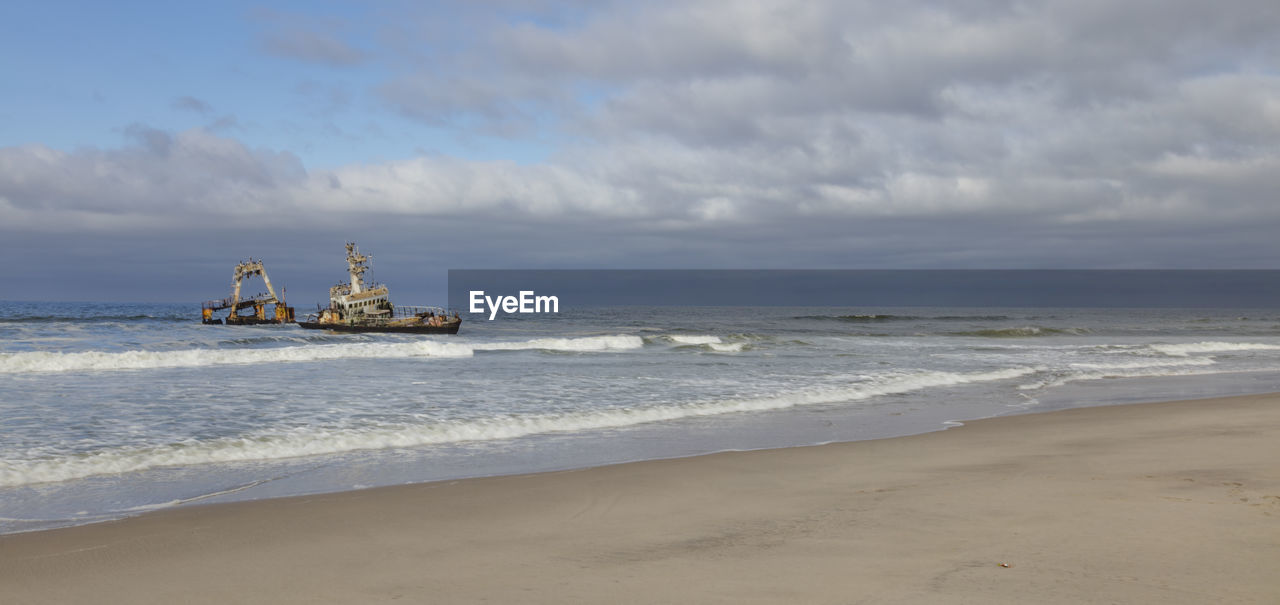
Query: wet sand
[1173, 502]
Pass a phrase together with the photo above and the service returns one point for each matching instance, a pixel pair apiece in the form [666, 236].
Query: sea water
[109, 409]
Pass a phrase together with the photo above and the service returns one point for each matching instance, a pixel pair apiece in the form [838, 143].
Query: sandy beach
[1174, 502]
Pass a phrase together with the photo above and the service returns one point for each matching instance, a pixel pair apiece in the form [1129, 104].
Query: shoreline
[1175, 501]
[587, 451]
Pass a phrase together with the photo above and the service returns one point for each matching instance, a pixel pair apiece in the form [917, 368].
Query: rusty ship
[357, 306]
[281, 312]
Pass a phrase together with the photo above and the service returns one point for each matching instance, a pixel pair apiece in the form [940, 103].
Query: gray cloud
[165, 179]
[811, 134]
[306, 38]
[224, 124]
[189, 103]
[312, 47]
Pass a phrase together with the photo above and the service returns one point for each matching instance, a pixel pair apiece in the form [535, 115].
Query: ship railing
[407, 311]
[216, 305]
[244, 302]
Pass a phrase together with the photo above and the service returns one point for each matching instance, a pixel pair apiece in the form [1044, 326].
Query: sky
[146, 147]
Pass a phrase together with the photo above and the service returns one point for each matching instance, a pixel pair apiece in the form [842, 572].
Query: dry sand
[1155, 503]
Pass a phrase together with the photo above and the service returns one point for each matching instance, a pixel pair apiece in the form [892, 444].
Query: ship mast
[356, 267]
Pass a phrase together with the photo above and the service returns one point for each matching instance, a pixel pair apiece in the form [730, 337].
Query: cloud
[307, 38]
[162, 179]
[189, 103]
[312, 47]
[833, 134]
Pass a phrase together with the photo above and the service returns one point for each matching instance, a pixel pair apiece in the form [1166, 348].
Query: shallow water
[110, 409]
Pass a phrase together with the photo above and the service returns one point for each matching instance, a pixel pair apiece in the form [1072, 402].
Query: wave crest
[42, 361]
[1186, 349]
[616, 342]
[704, 342]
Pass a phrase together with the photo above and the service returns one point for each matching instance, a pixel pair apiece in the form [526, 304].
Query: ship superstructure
[355, 297]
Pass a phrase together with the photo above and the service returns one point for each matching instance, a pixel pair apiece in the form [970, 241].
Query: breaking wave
[1148, 368]
[308, 441]
[615, 342]
[693, 340]
[705, 342]
[41, 361]
[1186, 349]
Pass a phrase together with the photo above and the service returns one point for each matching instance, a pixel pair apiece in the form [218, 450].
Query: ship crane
[243, 271]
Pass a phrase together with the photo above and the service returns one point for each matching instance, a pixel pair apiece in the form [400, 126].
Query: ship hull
[249, 321]
[414, 329]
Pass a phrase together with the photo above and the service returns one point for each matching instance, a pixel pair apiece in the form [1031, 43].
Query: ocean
[108, 410]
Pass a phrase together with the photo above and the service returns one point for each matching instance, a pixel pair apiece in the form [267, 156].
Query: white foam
[1148, 363]
[41, 361]
[310, 441]
[615, 342]
[713, 343]
[693, 340]
[1186, 349]
[1139, 369]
